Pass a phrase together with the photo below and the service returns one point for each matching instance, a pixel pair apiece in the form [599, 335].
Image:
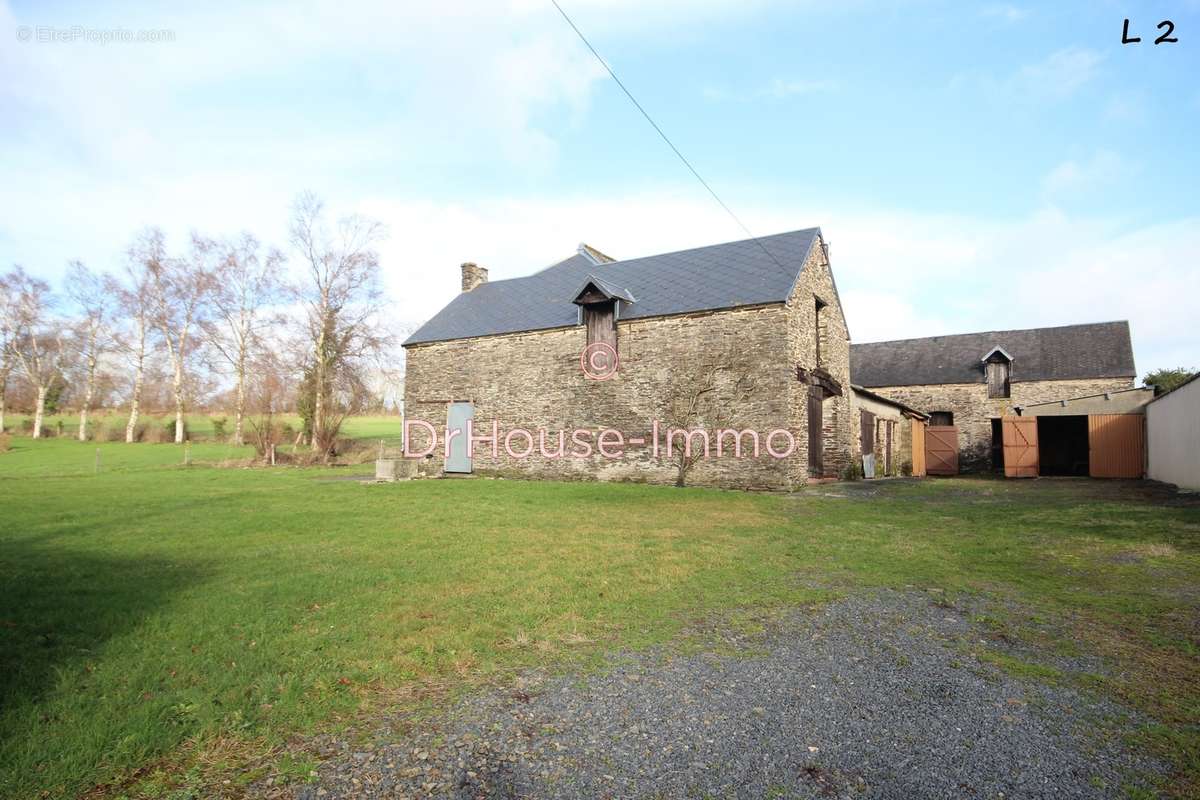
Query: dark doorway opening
[941, 418]
[1063, 445]
[997, 446]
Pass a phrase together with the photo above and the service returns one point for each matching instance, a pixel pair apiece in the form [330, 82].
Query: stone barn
[647, 369]
[968, 383]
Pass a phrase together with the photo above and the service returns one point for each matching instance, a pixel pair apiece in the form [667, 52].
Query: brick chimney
[473, 275]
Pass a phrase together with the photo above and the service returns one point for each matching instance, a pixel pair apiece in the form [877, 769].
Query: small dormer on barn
[600, 304]
[998, 366]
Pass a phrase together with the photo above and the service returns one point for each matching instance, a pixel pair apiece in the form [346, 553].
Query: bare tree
[705, 399]
[37, 346]
[245, 284]
[180, 289]
[340, 296]
[94, 303]
[8, 328]
[136, 306]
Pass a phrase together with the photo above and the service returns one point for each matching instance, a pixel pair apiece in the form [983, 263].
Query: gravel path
[870, 697]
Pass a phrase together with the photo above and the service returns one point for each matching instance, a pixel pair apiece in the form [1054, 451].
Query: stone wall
[973, 410]
[839, 432]
[533, 381]
[901, 437]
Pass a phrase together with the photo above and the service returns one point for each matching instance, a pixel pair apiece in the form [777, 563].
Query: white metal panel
[1173, 437]
[459, 458]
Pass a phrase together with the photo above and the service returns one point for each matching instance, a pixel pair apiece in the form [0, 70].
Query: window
[601, 323]
[945, 418]
[818, 330]
[998, 376]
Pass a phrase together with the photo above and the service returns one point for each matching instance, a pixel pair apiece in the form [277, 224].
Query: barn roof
[747, 272]
[1096, 350]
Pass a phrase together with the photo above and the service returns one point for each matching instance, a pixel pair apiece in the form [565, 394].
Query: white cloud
[780, 88]
[777, 89]
[1006, 12]
[1103, 168]
[1060, 74]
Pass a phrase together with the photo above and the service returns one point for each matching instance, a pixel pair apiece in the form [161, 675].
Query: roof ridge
[815, 228]
[997, 333]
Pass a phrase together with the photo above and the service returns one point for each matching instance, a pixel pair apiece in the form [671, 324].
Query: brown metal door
[918, 448]
[1020, 447]
[1117, 445]
[941, 450]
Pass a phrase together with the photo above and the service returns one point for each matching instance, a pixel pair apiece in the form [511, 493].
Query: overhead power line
[660, 132]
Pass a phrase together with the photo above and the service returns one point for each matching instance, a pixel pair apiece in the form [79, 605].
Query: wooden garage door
[1117, 445]
[918, 448]
[1020, 447]
[941, 450]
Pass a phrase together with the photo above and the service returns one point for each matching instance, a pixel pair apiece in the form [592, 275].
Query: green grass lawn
[200, 426]
[162, 625]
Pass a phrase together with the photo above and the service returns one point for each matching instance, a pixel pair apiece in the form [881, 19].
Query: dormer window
[601, 322]
[998, 366]
[600, 303]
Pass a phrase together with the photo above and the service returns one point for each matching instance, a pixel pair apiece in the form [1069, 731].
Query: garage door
[1020, 447]
[1117, 445]
[941, 450]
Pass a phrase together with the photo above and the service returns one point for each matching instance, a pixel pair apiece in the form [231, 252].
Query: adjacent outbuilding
[1097, 435]
[1173, 434]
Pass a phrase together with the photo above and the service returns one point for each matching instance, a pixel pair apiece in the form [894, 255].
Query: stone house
[585, 368]
[970, 381]
[707, 364]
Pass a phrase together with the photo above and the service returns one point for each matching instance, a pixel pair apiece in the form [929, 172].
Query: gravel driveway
[870, 697]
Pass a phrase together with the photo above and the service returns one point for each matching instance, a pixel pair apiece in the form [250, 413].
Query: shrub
[218, 424]
[168, 429]
[853, 472]
[116, 432]
[5, 440]
[27, 425]
[906, 469]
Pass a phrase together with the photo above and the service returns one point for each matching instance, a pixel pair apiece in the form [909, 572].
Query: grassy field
[200, 426]
[163, 626]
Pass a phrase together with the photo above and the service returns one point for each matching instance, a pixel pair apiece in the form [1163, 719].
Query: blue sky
[975, 166]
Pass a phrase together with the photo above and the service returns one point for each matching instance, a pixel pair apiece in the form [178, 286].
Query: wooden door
[918, 448]
[941, 450]
[816, 442]
[1116, 445]
[866, 432]
[889, 426]
[1020, 438]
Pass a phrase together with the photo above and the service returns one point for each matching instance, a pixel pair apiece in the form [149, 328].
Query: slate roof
[701, 279]
[1097, 350]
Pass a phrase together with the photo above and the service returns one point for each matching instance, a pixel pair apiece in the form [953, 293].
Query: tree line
[224, 320]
